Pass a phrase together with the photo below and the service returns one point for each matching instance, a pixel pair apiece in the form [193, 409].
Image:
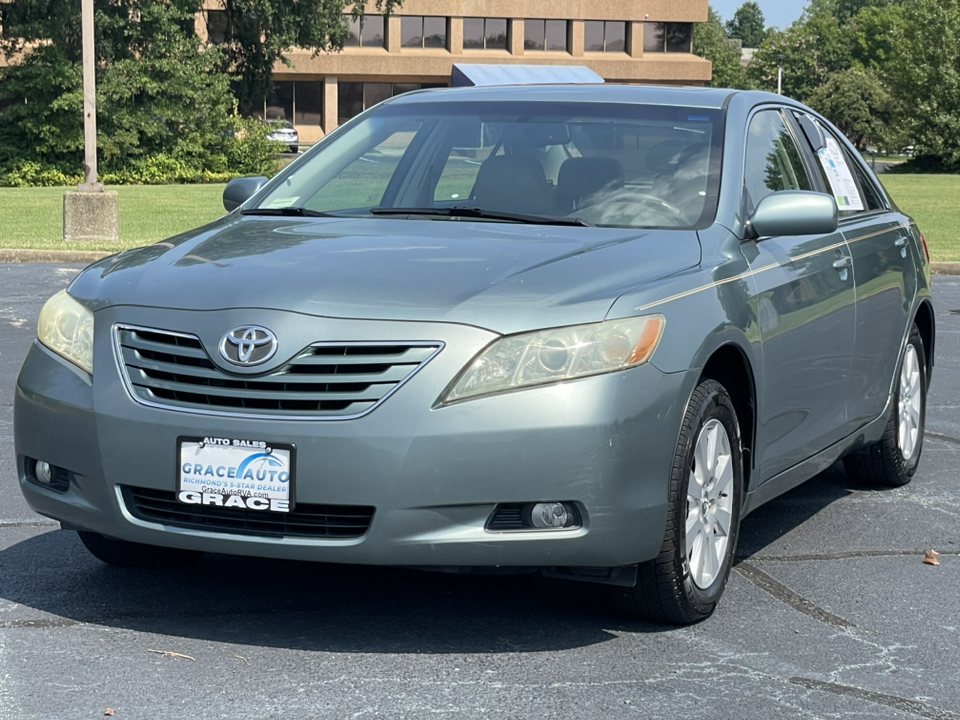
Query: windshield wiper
[483, 214]
[286, 212]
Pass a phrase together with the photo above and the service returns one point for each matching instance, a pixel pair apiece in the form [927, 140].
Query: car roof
[696, 97]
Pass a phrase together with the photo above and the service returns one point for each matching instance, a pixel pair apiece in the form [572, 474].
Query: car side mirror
[795, 212]
[239, 190]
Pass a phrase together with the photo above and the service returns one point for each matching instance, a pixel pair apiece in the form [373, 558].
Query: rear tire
[685, 582]
[123, 553]
[893, 460]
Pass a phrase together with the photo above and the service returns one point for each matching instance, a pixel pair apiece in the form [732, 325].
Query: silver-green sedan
[581, 330]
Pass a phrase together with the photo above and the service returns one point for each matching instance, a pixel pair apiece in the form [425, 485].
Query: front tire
[893, 460]
[685, 582]
[123, 553]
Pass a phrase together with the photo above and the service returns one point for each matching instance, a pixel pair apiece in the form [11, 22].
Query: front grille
[305, 520]
[333, 381]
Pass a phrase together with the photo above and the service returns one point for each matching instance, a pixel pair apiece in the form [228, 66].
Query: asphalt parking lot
[830, 611]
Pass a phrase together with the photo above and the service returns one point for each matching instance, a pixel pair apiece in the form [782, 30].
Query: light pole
[89, 101]
[89, 214]
[780, 74]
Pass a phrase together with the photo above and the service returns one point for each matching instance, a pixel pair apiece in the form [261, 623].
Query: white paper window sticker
[281, 202]
[842, 184]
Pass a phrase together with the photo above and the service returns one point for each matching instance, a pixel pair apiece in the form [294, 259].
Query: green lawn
[33, 217]
[934, 202]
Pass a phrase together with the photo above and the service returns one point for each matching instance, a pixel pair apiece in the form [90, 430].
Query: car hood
[501, 276]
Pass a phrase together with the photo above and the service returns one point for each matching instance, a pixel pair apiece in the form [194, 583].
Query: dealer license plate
[235, 473]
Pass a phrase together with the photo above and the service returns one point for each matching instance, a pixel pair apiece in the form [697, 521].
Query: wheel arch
[926, 324]
[730, 367]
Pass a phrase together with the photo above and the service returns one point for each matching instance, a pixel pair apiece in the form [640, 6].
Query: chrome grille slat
[324, 381]
[412, 356]
[172, 348]
[198, 374]
[372, 392]
[338, 411]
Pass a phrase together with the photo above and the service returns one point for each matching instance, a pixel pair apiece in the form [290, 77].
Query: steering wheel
[624, 202]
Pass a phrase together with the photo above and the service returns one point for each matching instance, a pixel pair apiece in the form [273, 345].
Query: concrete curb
[945, 268]
[51, 256]
[90, 256]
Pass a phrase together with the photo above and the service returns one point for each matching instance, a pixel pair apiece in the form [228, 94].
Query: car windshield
[612, 165]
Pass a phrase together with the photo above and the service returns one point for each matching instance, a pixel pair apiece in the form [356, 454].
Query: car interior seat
[584, 180]
[514, 183]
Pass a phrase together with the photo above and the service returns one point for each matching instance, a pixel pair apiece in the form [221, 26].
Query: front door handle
[843, 263]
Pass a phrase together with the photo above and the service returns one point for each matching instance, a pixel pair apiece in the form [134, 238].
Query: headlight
[66, 327]
[549, 356]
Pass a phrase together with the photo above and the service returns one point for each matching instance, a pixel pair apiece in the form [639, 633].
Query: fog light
[44, 472]
[549, 515]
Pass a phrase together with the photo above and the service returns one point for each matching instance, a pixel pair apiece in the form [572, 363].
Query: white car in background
[283, 132]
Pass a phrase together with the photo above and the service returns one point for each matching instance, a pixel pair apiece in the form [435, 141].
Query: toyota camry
[576, 330]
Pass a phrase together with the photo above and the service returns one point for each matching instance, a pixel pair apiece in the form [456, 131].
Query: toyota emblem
[248, 345]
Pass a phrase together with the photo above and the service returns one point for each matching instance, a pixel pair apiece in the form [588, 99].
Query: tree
[163, 106]
[846, 10]
[809, 51]
[260, 32]
[710, 41]
[924, 77]
[748, 25]
[871, 36]
[857, 103]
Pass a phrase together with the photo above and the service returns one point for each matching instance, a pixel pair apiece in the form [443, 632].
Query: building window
[355, 97]
[484, 34]
[423, 32]
[279, 105]
[667, 37]
[217, 27]
[308, 102]
[605, 36]
[368, 33]
[299, 102]
[349, 100]
[545, 35]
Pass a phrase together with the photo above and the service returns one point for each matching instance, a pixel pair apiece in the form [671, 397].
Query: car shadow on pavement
[773, 521]
[348, 609]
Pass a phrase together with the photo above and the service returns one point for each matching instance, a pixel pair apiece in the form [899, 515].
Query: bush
[26, 173]
[925, 165]
[165, 113]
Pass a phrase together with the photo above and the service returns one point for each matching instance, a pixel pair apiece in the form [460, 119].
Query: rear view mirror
[537, 134]
[795, 212]
[239, 190]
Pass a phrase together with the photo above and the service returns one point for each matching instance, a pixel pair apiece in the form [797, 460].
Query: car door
[884, 272]
[805, 306]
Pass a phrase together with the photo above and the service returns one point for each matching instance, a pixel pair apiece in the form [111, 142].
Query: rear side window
[773, 161]
[842, 175]
[871, 195]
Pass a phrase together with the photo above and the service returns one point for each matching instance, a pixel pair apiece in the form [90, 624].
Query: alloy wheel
[709, 504]
[911, 398]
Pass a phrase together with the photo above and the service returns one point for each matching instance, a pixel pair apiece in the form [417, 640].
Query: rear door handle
[843, 263]
[900, 242]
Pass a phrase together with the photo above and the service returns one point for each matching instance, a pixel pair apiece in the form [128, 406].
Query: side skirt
[800, 473]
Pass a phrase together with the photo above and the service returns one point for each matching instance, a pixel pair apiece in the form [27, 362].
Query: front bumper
[433, 474]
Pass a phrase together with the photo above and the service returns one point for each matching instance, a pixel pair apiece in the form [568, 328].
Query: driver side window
[773, 160]
[363, 182]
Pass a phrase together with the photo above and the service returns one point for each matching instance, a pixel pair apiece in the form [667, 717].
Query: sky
[777, 13]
